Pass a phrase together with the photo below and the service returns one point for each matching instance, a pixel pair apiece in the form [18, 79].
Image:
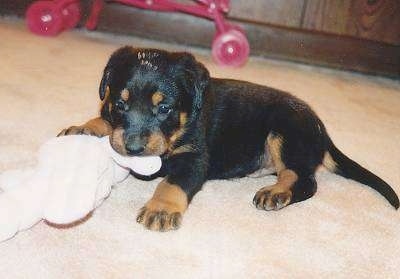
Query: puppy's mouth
[156, 144]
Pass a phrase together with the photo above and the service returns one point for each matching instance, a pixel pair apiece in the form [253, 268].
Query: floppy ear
[104, 84]
[104, 91]
[195, 79]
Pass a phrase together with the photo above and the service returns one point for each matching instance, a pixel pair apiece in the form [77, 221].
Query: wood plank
[327, 15]
[282, 13]
[16, 7]
[377, 20]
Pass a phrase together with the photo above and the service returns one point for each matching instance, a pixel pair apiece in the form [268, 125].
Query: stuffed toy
[73, 176]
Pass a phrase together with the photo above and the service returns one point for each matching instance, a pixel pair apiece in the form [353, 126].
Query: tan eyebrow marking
[157, 98]
[125, 94]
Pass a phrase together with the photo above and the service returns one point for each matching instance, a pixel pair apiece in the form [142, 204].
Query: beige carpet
[345, 231]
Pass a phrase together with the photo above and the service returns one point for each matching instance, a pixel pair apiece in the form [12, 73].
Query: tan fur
[156, 144]
[187, 148]
[174, 137]
[164, 210]
[107, 93]
[182, 118]
[157, 98]
[329, 163]
[95, 127]
[99, 126]
[179, 132]
[286, 179]
[274, 146]
[117, 141]
[278, 195]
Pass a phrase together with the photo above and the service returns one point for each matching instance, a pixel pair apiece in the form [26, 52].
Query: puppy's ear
[104, 87]
[195, 79]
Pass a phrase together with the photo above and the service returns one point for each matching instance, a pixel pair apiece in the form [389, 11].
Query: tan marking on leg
[274, 147]
[94, 127]
[329, 163]
[157, 98]
[125, 94]
[164, 210]
[278, 195]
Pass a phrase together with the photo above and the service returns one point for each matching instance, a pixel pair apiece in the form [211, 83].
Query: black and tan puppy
[161, 103]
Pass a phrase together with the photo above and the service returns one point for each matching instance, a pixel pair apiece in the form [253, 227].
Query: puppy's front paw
[162, 216]
[79, 130]
[95, 127]
[163, 212]
[272, 198]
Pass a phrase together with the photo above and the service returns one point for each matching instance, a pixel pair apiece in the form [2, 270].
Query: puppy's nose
[134, 151]
[134, 145]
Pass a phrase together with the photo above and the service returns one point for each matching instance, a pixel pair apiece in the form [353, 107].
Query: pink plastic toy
[229, 47]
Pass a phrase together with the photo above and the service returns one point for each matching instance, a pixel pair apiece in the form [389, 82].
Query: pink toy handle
[211, 9]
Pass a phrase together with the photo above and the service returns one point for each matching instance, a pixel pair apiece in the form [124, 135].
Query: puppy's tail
[340, 164]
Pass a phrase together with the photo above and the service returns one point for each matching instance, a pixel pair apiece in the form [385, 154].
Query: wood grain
[282, 13]
[327, 15]
[377, 20]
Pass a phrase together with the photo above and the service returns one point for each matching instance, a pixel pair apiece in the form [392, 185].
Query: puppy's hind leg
[296, 181]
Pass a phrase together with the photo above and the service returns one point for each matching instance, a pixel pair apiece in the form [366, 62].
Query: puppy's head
[149, 97]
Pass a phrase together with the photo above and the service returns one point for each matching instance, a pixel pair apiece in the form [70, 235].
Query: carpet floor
[346, 230]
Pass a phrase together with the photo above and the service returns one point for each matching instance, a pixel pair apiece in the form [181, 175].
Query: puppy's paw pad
[272, 199]
[159, 220]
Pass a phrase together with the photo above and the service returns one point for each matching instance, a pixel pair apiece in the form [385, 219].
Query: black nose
[134, 145]
[134, 151]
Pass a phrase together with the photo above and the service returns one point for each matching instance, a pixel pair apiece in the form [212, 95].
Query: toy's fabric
[73, 176]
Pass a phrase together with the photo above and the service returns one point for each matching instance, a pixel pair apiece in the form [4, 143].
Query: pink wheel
[71, 15]
[230, 48]
[43, 18]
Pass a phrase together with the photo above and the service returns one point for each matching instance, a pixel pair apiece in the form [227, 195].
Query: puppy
[161, 103]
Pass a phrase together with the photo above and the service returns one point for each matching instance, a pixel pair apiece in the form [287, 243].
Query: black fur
[227, 125]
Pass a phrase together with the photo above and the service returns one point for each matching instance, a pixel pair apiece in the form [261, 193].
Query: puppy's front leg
[164, 211]
[94, 127]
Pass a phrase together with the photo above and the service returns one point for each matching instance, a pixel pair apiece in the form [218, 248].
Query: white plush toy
[73, 176]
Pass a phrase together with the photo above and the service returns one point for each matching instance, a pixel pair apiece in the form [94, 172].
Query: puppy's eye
[120, 105]
[164, 109]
